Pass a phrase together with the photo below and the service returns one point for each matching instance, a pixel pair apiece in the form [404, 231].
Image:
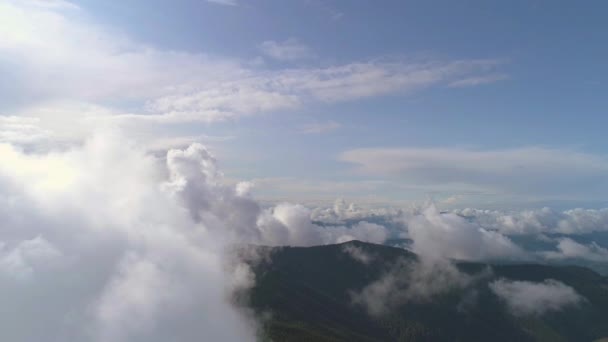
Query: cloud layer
[289, 50]
[544, 220]
[56, 53]
[531, 171]
[450, 236]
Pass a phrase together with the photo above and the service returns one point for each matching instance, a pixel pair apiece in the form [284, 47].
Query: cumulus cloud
[22, 130]
[570, 249]
[342, 212]
[288, 224]
[22, 260]
[106, 250]
[288, 50]
[119, 245]
[480, 234]
[447, 235]
[525, 298]
[544, 220]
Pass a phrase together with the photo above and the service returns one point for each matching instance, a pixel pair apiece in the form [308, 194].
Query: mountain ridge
[307, 294]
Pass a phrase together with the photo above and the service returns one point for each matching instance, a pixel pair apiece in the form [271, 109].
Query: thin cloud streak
[549, 172]
[320, 127]
[288, 50]
[224, 2]
[174, 86]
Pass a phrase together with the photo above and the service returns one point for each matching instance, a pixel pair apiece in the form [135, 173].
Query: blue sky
[472, 103]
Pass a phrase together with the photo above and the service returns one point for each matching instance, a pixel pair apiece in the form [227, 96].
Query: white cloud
[341, 212]
[62, 4]
[362, 231]
[412, 281]
[358, 253]
[320, 127]
[178, 142]
[528, 298]
[478, 80]
[544, 220]
[288, 224]
[321, 192]
[22, 130]
[258, 91]
[224, 2]
[108, 253]
[288, 50]
[448, 235]
[223, 101]
[57, 55]
[365, 79]
[570, 249]
[27, 257]
[538, 171]
[118, 245]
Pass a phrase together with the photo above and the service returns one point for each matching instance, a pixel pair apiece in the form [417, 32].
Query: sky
[141, 141]
[482, 104]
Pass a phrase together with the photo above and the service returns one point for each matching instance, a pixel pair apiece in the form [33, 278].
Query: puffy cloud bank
[104, 242]
[485, 235]
[288, 224]
[529, 298]
[545, 220]
[96, 246]
[448, 235]
[341, 213]
[570, 249]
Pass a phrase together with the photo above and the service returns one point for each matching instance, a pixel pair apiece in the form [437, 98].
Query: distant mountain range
[358, 291]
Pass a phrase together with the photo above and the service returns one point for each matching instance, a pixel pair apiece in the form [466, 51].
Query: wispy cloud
[224, 2]
[63, 54]
[326, 8]
[478, 80]
[167, 143]
[320, 127]
[412, 281]
[288, 50]
[528, 170]
[525, 298]
[59, 4]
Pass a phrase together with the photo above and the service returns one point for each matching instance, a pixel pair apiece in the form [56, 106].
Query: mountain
[315, 294]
